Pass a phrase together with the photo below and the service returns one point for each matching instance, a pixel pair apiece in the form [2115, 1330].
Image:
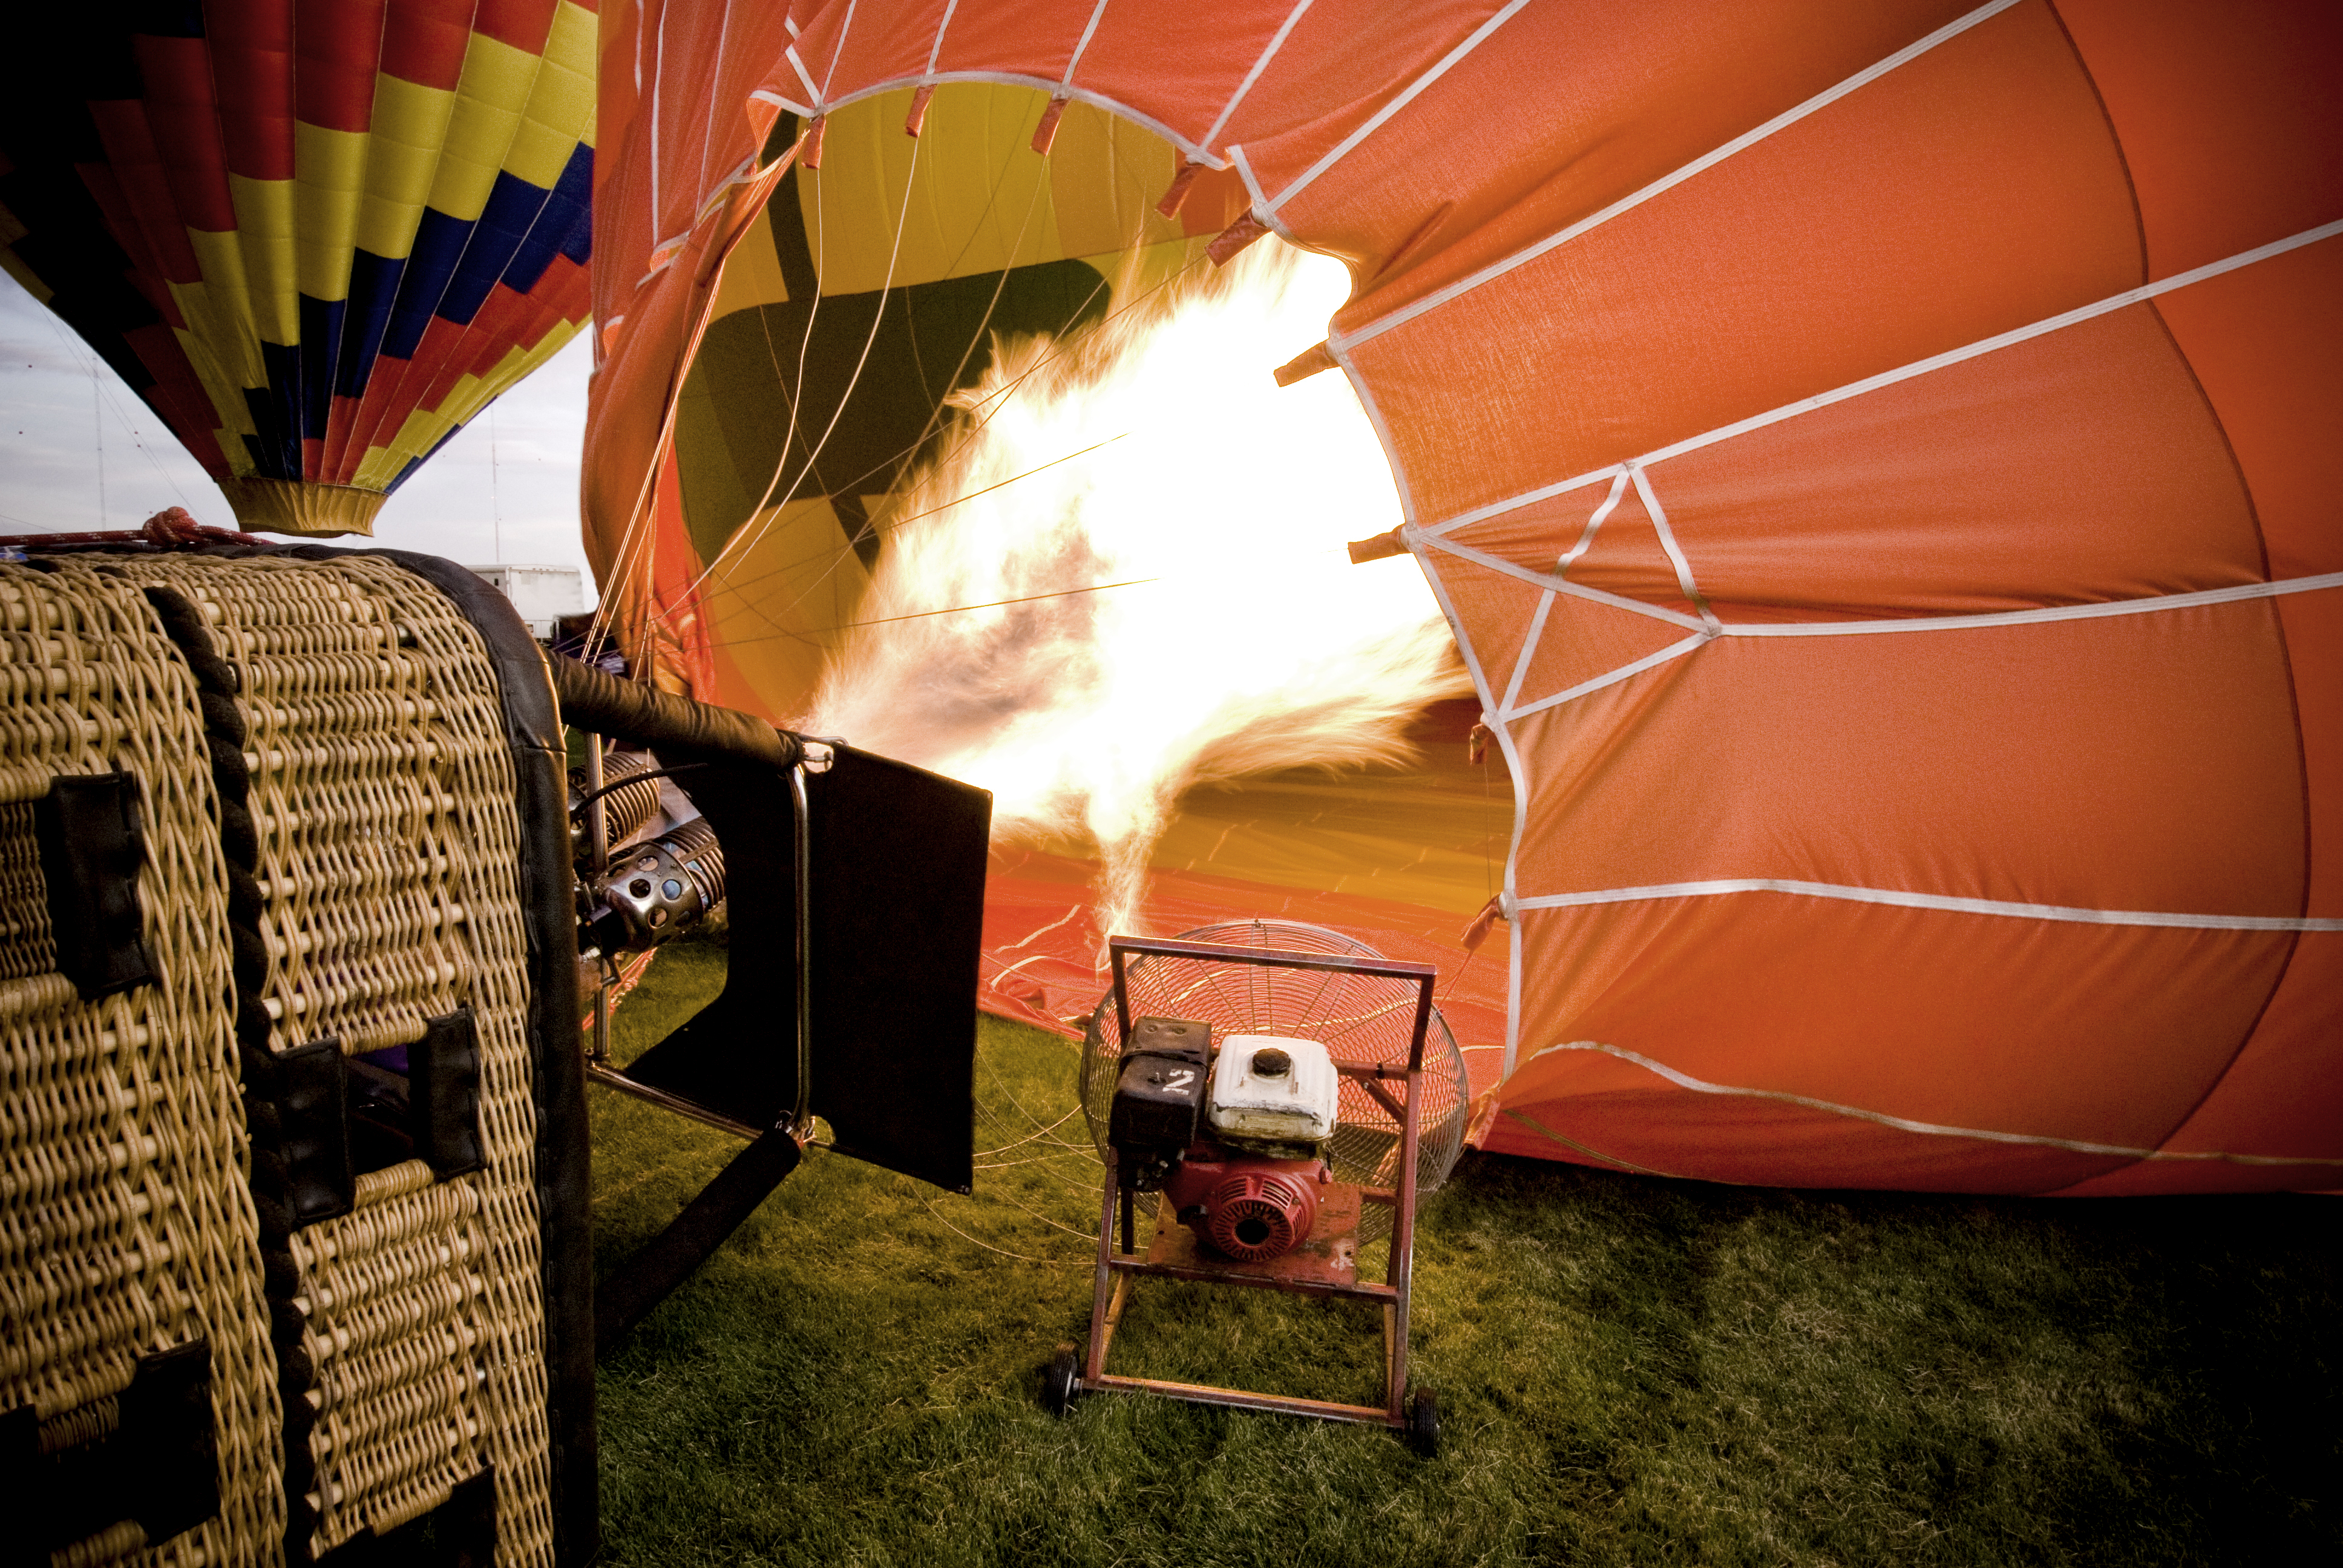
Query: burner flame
[1088, 638]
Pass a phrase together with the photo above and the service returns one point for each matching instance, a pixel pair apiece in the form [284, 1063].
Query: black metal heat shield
[898, 905]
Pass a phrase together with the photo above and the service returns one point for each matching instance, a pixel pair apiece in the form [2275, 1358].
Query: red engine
[1248, 1207]
[1245, 1177]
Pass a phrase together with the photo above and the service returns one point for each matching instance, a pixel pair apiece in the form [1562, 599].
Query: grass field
[1630, 1370]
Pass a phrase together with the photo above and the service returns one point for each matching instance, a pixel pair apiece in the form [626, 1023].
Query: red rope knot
[1046, 131]
[918, 118]
[1174, 198]
[1305, 365]
[1478, 931]
[172, 525]
[1234, 238]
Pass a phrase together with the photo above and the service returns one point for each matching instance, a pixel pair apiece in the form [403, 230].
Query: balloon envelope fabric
[1877, 460]
[316, 236]
[839, 335]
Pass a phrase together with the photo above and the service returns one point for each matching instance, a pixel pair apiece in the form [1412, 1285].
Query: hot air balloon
[1876, 462]
[316, 238]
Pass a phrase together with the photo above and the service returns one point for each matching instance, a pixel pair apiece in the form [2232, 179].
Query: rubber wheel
[1060, 1382]
[1423, 1423]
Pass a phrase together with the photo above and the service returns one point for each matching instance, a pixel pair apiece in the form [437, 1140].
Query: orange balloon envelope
[1879, 461]
[316, 236]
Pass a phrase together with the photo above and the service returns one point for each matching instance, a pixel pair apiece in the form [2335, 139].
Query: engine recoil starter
[1248, 1208]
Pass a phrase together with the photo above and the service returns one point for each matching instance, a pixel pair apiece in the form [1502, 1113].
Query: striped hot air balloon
[316, 236]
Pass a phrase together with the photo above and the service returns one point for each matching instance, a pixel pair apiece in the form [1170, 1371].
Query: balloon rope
[1000, 286]
[838, 556]
[975, 430]
[878, 319]
[76, 347]
[1030, 1137]
[999, 283]
[996, 604]
[756, 535]
[916, 516]
[950, 609]
[637, 531]
[781, 632]
[1020, 1257]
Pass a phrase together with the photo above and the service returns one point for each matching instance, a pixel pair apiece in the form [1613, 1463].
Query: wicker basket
[349, 880]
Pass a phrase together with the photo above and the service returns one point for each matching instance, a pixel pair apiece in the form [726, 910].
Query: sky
[79, 451]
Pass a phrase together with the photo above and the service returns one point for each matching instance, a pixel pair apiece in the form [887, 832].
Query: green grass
[1630, 1370]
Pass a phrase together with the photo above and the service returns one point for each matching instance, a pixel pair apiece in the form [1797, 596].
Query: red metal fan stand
[1324, 1265]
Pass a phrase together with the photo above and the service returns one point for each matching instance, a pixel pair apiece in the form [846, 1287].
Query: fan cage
[1361, 1019]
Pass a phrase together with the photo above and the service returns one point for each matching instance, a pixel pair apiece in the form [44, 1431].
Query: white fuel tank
[1269, 1090]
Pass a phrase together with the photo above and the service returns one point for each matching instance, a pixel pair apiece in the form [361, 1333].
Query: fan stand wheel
[1423, 1423]
[1062, 1381]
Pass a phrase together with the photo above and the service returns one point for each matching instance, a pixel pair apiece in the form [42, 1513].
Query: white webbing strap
[1595, 521]
[1675, 551]
[1284, 31]
[1905, 1124]
[1406, 96]
[788, 105]
[1545, 604]
[2098, 609]
[1697, 641]
[1080, 44]
[1518, 768]
[1918, 368]
[1527, 655]
[1535, 579]
[837, 50]
[936, 49]
[1514, 708]
[814, 93]
[1940, 902]
[1666, 182]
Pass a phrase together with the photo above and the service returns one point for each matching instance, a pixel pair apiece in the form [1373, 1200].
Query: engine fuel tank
[1273, 1096]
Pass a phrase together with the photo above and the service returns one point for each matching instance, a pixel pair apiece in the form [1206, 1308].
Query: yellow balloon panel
[873, 289]
[972, 194]
[772, 618]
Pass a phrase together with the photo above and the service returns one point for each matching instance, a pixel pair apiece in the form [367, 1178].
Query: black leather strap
[92, 848]
[158, 1465]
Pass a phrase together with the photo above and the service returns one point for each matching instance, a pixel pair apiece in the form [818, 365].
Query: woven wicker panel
[127, 1223]
[383, 795]
[26, 949]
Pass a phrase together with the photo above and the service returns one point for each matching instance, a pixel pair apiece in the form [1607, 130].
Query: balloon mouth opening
[300, 506]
